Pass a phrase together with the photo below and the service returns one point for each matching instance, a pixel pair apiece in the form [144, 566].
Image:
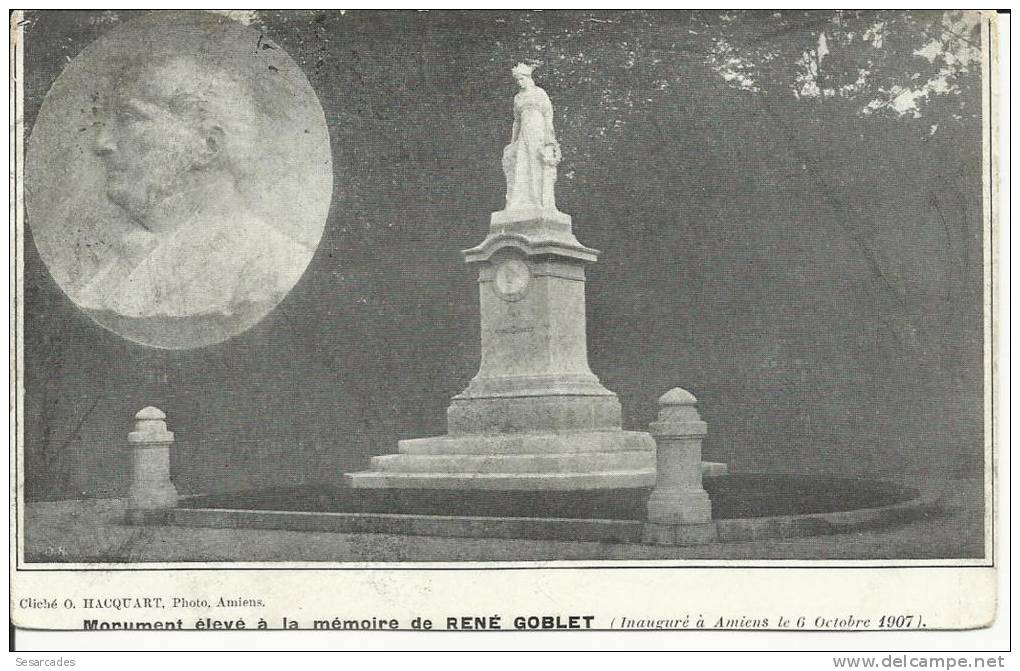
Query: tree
[845, 79]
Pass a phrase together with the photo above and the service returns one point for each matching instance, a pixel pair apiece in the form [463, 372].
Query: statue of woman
[530, 159]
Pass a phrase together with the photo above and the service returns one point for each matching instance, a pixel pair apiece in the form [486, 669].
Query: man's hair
[199, 92]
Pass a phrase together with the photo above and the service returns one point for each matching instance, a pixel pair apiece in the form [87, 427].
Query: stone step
[515, 463]
[503, 481]
[530, 443]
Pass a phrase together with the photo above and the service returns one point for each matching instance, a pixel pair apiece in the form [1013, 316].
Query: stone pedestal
[151, 489]
[535, 416]
[679, 510]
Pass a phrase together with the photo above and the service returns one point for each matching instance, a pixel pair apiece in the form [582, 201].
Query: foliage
[898, 63]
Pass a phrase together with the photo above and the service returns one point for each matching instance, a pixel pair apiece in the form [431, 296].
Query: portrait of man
[168, 145]
[193, 178]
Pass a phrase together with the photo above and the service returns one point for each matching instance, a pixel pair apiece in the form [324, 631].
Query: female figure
[530, 159]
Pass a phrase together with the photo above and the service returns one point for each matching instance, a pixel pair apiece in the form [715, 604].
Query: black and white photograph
[586, 288]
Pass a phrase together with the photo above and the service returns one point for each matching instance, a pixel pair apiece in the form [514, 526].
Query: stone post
[679, 510]
[151, 490]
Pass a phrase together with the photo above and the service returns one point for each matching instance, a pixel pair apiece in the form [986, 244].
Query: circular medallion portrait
[178, 178]
[512, 278]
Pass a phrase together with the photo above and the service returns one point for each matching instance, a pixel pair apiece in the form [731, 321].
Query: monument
[535, 416]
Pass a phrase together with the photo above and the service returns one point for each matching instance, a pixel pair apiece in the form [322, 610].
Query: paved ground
[91, 531]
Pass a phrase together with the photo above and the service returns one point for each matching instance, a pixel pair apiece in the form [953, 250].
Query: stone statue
[530, 159]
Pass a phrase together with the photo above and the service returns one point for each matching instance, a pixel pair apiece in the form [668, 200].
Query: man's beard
[126, 196]
[136, 197]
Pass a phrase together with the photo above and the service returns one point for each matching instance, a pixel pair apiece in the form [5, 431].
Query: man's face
[145, 147]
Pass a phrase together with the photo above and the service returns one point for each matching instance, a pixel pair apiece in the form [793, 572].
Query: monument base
[519, 461]
[516, 461]
[502, 481]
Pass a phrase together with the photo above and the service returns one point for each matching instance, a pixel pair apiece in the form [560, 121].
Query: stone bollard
[151, 493]
[679, 510]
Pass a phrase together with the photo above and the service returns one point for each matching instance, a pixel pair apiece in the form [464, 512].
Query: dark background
[812, 274]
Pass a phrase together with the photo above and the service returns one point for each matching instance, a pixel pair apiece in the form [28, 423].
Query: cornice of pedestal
[532, 232]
